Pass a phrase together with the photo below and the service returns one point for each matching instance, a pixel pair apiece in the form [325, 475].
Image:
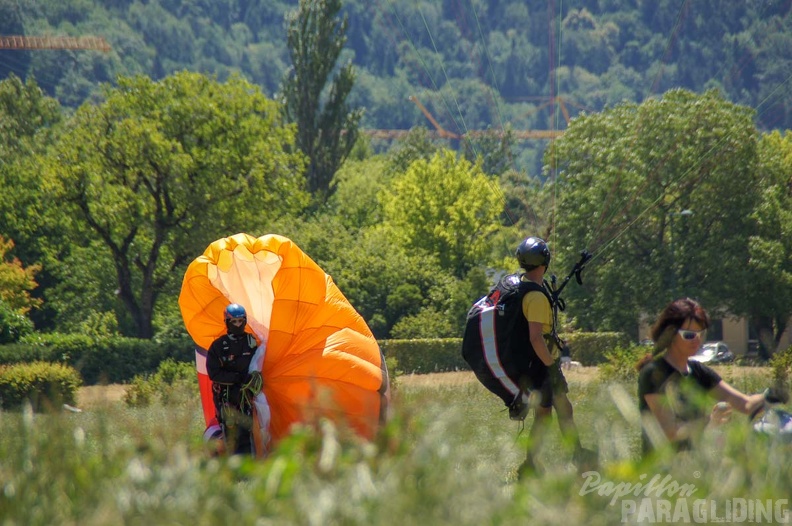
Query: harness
[553, 292]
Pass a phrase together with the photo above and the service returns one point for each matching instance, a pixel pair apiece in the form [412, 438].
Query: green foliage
[159, 169]
[494, 150]
[620, 363]
[392, 364]
[770, 244]
[447, 455]
[446, 207]
[592, 348]
[426, 355]
[623, 179]
[382, 280]
[172, 383]
[632, 167]
[327, 128]
[141, 392]
[357, 184]
[99, 360]
[30, 122]
[781, 365]
[612, 51]
[27, 113]
[416, 145]
[13, 325]
[46, 385]
[427, 323]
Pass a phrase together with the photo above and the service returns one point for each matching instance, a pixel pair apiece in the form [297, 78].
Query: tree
[30, 123]
[623, 178]
[771, 244]
[12, 61]
[447, 207]
[16, 281]
[326, 127]
[160, 169]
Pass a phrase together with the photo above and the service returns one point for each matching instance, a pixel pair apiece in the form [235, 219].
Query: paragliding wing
[317, 356]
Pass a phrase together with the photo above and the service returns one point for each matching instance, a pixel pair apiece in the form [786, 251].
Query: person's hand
[253, 384]
[776, 395]
[721, 413]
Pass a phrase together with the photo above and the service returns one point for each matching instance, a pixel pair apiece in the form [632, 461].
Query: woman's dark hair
[670, 321]
[675, 314]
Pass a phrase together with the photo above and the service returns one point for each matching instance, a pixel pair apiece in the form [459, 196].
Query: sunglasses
[237, 321]
[691, 335]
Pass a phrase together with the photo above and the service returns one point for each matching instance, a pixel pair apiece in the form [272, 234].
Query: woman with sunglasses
[672, 389]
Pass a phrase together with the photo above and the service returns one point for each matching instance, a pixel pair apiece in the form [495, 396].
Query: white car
[713, 352]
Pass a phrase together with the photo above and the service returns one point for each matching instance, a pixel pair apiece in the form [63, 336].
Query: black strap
[556, 303]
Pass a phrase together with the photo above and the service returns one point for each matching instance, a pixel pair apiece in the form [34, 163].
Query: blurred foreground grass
[448, 456]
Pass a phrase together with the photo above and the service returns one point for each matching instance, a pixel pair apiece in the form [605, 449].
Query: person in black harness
[673, 389]
[545, 348]
[233, 387]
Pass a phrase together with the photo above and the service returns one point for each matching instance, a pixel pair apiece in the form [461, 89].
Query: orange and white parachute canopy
[316, 355]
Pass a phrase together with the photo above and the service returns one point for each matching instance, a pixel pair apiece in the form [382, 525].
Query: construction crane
[442, 133]
[54, 42]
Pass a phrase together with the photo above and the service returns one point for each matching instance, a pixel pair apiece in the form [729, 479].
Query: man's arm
[217, 374]
[538, 343]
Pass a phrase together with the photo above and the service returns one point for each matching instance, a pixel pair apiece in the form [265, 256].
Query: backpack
[496, 342]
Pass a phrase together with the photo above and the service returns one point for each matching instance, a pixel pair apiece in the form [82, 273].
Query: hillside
[474, 64]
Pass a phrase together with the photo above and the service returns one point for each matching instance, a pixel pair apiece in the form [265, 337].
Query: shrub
[781, 364]
[426, 355]
[592, 348]
[99, 360]
[44, 384]
[141, 392]
[172, 383]
[13, 326]
[620, 363]
[445, 354]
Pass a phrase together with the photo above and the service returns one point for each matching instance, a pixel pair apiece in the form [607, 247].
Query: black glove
[776, 395]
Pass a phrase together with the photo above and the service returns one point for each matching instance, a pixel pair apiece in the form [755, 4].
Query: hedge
[590, 348]
[425, 356]
[45, 385]
[119, 360]
[440, 355]
[99, 360]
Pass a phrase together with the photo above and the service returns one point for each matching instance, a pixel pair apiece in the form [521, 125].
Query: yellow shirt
[536, 308]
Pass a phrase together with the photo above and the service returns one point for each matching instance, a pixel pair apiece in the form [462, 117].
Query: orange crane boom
[442, 133]
[54, 42]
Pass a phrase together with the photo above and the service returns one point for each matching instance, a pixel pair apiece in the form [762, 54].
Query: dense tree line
[112, 183]
[107, 206]
[476, 64]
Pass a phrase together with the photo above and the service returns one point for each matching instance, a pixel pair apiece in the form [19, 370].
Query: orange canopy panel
[317, 356]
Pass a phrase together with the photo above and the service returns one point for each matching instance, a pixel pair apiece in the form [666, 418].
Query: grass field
[448, 456]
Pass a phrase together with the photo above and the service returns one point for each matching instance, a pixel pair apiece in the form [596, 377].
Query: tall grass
[448, 456]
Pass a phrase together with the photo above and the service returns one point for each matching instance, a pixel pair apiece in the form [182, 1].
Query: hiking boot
[518, 410]
[528, 469]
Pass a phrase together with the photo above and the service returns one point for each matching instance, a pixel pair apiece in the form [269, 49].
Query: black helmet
[533, 253]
